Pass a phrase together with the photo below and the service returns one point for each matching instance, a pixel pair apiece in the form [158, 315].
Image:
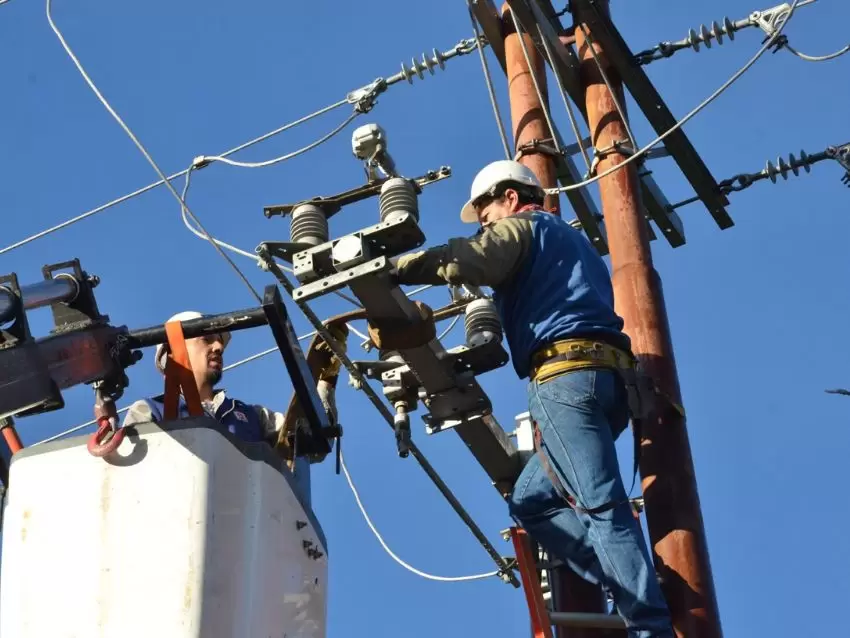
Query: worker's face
[206, 357]
[491, 209]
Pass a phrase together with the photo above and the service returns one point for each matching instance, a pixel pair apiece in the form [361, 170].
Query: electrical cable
[450, 328]
[145, 189]
[769, 43]
[144, 151]
[818, 58]
[445, 579]
[282, 158]
[363, 98]
[489, 81]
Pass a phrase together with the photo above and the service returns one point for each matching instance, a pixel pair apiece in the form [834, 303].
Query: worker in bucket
[247, 422]
[554, 296]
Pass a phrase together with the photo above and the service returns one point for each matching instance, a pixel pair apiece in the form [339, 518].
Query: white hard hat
[493, 174]
[186, 315]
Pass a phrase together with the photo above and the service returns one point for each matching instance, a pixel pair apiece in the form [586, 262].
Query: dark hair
[527, 194]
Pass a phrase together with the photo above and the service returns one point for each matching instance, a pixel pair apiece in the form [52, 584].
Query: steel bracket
[334, 203]
[397, 235]
[339, 280]
[82, 311]
[443, 381]
[841, 154]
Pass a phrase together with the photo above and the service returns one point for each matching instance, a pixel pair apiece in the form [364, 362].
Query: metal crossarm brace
[448, 392]
[505, 569]
[650, 102]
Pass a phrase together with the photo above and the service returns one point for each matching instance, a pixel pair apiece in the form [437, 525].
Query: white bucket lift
[185, 532]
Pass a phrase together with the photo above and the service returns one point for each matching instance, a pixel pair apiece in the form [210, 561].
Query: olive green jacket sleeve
[488, 259]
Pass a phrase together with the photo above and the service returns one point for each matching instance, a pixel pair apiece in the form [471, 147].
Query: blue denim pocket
[573, 388]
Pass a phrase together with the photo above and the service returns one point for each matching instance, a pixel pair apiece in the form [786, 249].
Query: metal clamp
[622, 147]
[537, 147]
[841, 154]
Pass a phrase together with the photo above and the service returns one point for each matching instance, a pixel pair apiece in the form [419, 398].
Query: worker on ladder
[556, 303]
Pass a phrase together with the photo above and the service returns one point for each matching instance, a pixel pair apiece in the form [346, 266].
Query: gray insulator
[398, 197]
[482, 323]
[309, 225]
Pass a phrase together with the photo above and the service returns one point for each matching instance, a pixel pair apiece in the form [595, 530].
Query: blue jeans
[580, 415]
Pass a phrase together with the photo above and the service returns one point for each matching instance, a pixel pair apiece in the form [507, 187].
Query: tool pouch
[641, 392]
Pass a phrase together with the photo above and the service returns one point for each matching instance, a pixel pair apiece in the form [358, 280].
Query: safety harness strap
[559, 485]
[179, 378]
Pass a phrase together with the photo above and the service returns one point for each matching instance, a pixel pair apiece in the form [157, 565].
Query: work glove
[327, 394]
[402, 334]
[330, 363]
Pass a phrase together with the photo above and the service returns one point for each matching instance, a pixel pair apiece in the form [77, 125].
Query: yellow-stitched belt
[576, 354]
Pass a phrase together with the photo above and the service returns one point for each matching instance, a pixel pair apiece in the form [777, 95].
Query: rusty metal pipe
[527, 117]
[669, 485]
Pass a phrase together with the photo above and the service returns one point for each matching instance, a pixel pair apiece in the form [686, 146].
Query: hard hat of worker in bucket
[187, 315]
[491, 176]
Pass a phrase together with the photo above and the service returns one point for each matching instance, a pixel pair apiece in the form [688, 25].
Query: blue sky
[756, 311]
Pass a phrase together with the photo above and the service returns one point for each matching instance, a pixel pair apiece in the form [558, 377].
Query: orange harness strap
[179, 378]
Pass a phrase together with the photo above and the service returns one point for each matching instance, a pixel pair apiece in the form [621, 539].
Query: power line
[203, 159]
[143, 150]
[819, 58]
[445, 579]
[640, 153]
[363, 99]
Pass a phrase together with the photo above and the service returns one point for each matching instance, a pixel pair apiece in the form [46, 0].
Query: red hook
[105, 440]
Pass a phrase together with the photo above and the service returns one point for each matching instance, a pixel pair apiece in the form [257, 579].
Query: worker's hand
[330, 363]
[394, 334]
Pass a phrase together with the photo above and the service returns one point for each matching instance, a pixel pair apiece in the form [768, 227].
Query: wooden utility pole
[669, 484]
[570, 593]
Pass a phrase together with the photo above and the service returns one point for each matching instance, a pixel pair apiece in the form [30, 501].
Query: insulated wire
[450, 328]
[489, 80]
[156, 184]
[533, 74]
[711, 98]
[449, 579]
[818, 58]
[288, 156]
[144, 151]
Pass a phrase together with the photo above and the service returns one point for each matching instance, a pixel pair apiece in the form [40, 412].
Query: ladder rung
[578, 619]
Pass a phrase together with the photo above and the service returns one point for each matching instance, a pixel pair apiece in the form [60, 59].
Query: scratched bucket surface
[184, 532]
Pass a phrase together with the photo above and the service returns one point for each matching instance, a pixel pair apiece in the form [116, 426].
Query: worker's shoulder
[513, 226]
